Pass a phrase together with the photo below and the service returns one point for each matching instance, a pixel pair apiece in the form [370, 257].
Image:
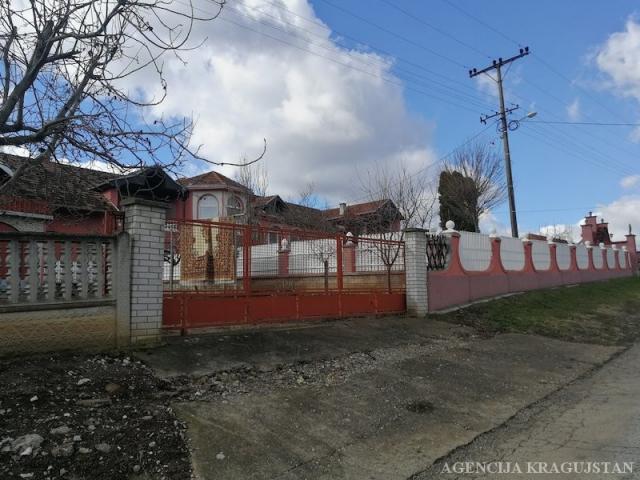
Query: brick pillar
[415, 251]
[631, 247]
[144, 221]
[495, 265]
[591, 267]
[528, 256]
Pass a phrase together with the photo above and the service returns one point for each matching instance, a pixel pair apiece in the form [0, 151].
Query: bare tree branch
[63, 71]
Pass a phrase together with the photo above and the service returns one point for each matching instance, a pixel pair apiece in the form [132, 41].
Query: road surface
[592, 424]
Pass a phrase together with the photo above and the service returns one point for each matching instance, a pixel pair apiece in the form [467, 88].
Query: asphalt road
[594, 420]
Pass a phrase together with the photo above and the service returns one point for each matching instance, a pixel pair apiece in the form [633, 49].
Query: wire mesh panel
[229, 258]
[563, 255]
[203, 256]
[437, 251]
[379, 255]
[475, 251]
[540, 254]
[512, 253]
[582, 257]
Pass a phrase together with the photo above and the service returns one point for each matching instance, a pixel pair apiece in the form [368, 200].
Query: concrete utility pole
[504, 127]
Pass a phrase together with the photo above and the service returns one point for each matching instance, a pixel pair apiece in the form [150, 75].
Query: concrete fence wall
[83, 292]
[508, 268]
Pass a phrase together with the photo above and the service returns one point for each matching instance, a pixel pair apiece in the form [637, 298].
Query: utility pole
[504, 127]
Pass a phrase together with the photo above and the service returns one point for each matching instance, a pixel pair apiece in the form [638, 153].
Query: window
[208, 207]
[234, 206]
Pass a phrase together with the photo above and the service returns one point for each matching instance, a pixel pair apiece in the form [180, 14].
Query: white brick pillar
[415, 250]
[144, 221]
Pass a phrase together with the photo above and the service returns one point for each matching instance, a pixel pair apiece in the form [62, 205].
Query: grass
[606, 313]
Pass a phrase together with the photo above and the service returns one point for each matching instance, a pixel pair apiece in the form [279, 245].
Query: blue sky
[551, 185]
[337, 96]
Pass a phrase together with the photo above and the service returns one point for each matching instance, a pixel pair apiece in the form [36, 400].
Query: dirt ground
[87, 417]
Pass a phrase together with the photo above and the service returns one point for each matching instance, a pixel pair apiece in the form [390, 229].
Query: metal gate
[218, 274]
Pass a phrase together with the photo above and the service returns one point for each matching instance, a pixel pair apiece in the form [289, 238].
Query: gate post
[144, 221]
[415, 245]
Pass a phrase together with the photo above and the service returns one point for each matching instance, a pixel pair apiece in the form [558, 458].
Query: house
[48, 196]
[213, 196]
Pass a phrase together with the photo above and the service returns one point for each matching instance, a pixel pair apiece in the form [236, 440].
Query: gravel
[69, 416]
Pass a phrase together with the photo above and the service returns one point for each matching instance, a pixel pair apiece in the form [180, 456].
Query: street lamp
[514, 124]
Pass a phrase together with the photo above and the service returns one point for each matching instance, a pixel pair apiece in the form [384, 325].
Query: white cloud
[489, 223]
[620, 213]
[573, 110]
[630, 181]
[321, 119]
[619, 58]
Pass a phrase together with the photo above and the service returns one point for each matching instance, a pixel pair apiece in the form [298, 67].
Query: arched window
[208, 207]
[234, 207]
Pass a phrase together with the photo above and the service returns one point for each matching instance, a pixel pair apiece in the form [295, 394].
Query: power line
[439, 161]
[339, 62]
[604, 124]
[441, 87]
[365, 44]
[366, 72]
[433, 27]
[394, 34]
[546, 64]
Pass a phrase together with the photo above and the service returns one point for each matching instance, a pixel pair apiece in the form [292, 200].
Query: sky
[339, 86]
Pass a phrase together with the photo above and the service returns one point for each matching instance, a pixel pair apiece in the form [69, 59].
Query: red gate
[219, 274]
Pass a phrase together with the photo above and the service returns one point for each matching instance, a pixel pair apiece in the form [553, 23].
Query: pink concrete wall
[456, 286]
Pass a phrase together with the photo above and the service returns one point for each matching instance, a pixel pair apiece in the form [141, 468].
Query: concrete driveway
[364, 399]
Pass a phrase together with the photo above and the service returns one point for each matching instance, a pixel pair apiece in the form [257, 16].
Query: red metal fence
[227, 274]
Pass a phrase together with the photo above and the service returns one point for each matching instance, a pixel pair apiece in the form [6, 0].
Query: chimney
[343, 209]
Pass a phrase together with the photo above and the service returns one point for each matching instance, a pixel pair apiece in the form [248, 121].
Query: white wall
[597, 257]
[541, 255]
[611, 258]
[563, 255]
[582, 257]
[475, 251]
[512, 253]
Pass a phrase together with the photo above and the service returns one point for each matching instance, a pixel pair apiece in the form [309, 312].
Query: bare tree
[63, 80]
[411, 205]
[471, 184]
[255, 178]
[307, 196]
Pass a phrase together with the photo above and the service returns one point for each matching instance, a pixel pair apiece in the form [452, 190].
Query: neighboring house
[377, 216]
[49, 196]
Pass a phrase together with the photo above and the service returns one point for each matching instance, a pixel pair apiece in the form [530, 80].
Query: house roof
[59, 185]
[152, 183]
[356, 210]
[212, 179]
